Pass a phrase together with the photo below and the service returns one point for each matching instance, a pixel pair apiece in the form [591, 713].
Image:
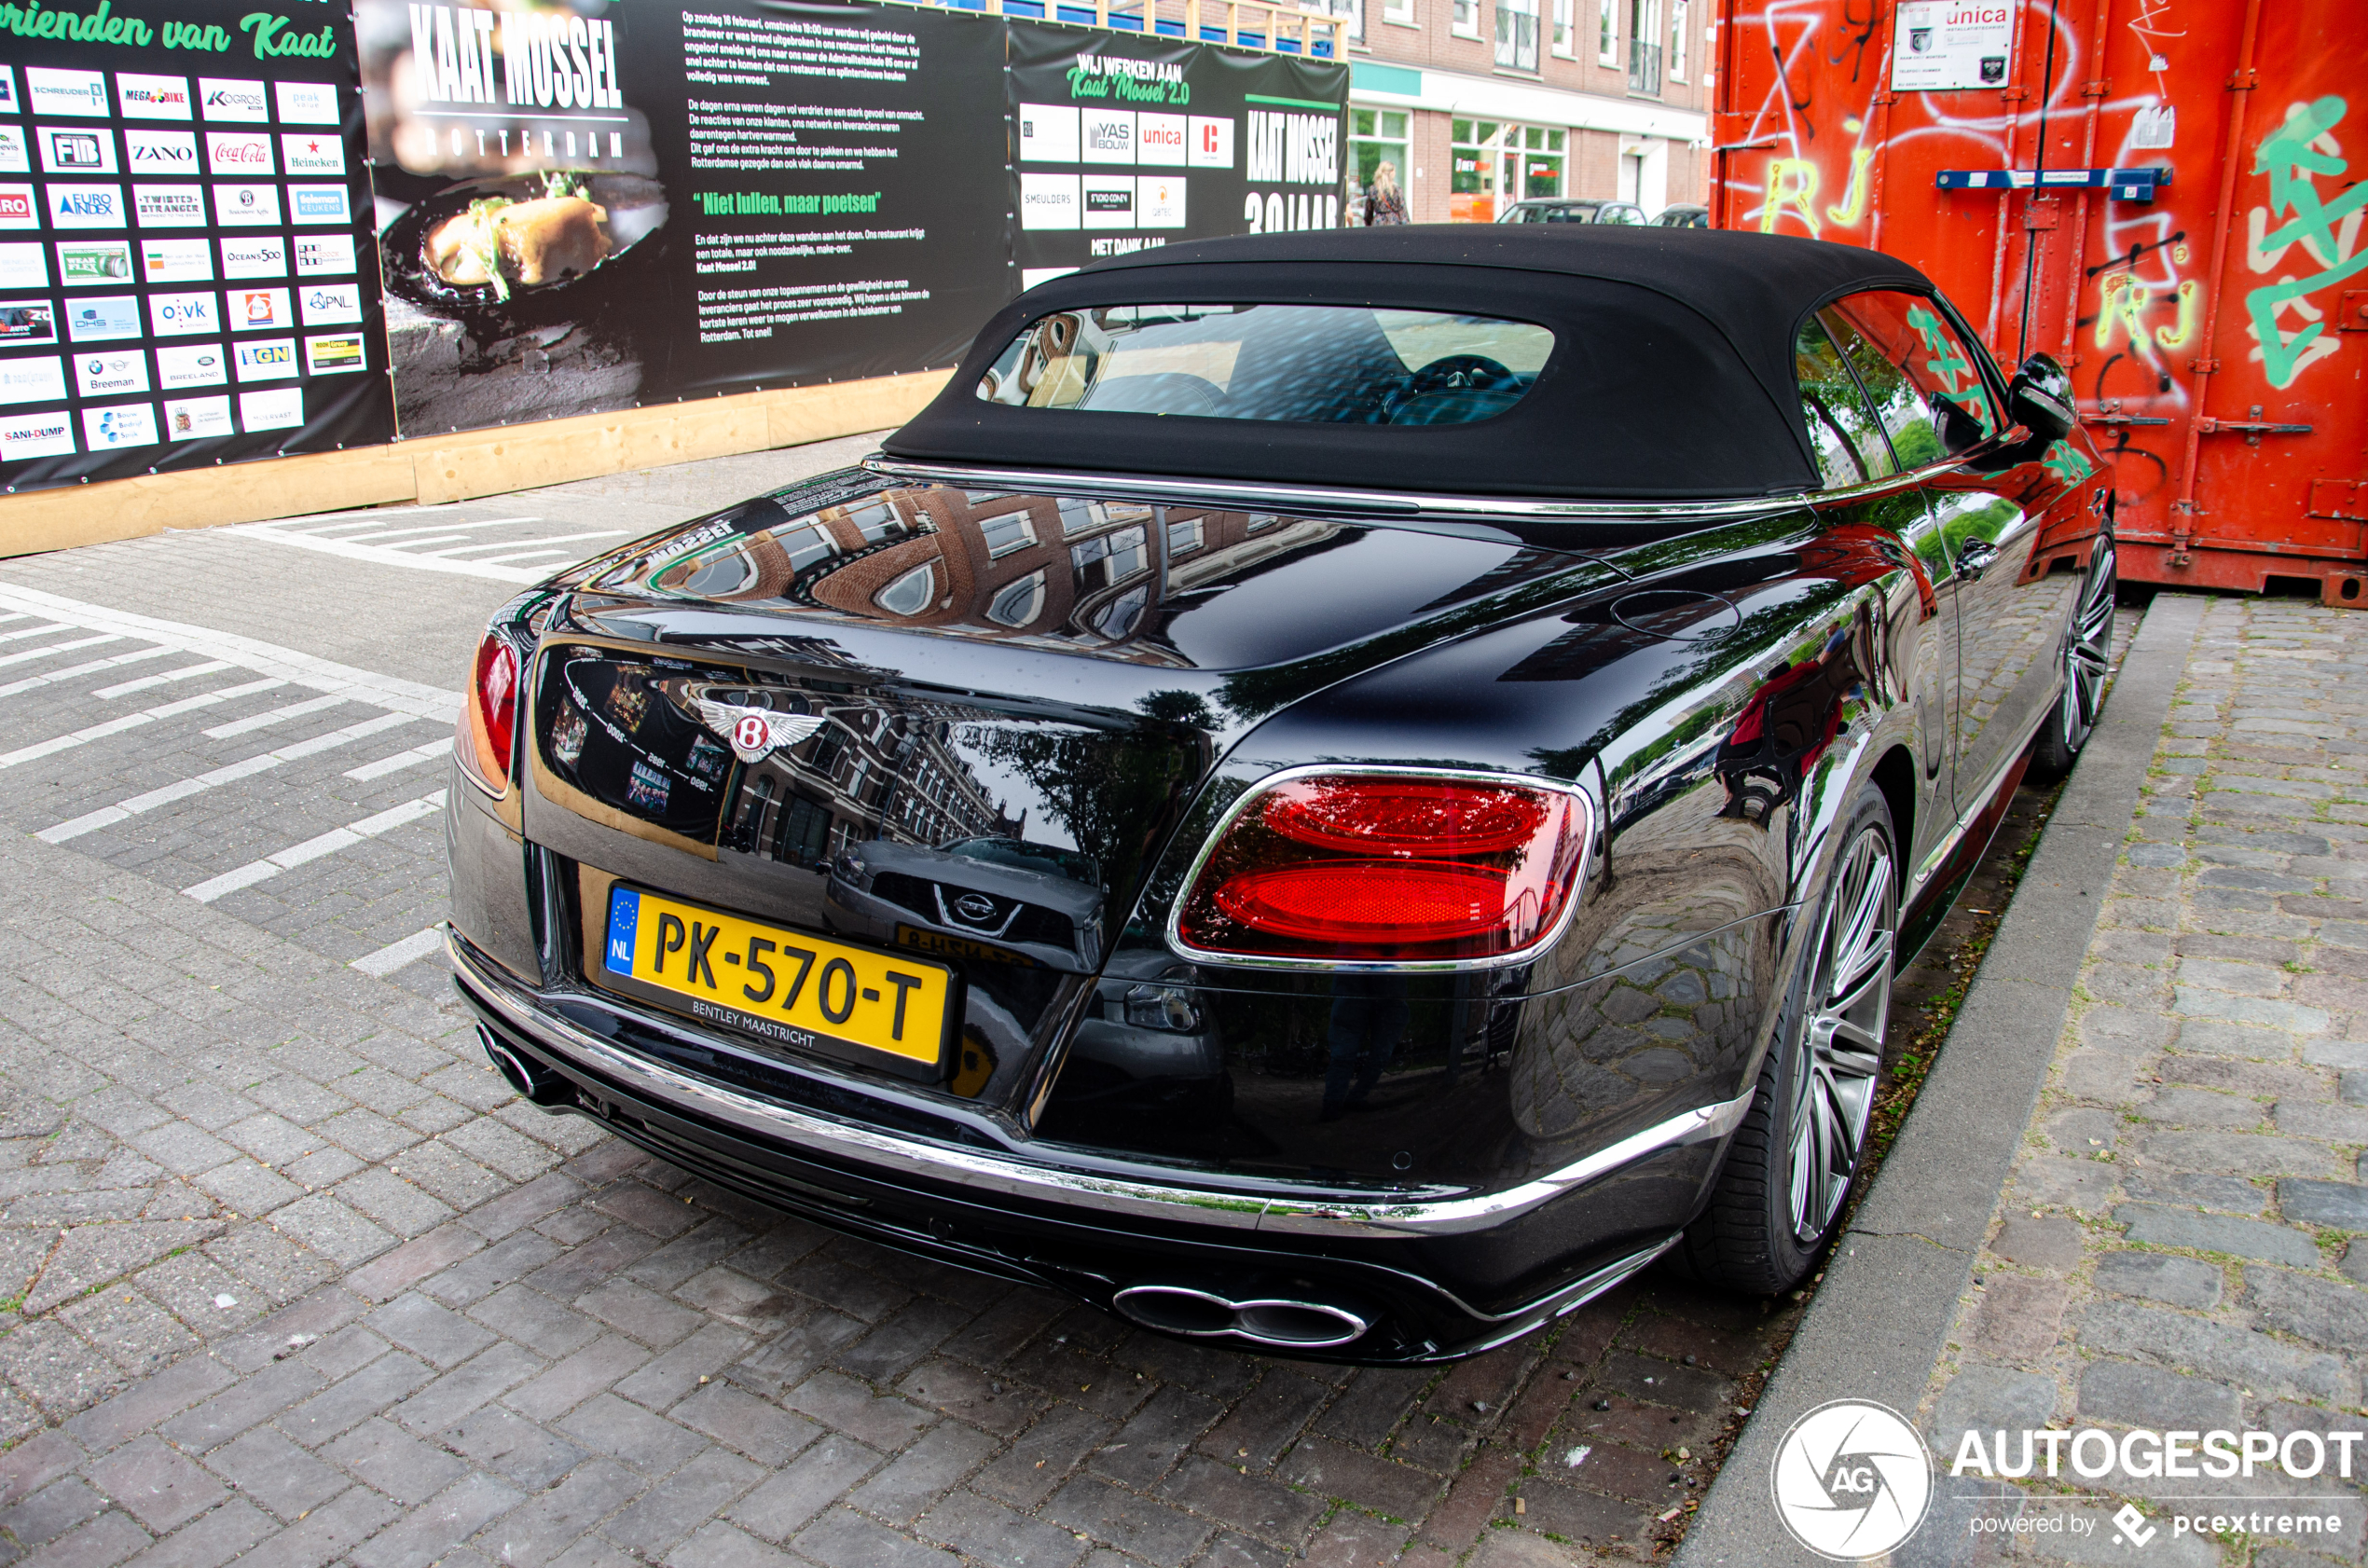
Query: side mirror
[2040, 398]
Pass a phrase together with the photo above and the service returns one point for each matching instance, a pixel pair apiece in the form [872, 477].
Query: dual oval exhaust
[1275, 1322]
[1279, 1323]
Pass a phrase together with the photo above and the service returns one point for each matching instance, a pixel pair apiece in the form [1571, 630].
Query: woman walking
[1384, 203]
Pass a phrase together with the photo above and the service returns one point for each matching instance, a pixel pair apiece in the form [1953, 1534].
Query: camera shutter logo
[1851, 1479]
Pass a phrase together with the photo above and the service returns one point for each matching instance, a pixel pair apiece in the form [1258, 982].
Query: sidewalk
[2173, 1247]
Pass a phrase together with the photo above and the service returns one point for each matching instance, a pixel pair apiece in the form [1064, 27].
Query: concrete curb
[1875, 1329]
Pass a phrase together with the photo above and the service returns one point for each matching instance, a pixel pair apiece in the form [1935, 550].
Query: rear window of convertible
[1307, 363]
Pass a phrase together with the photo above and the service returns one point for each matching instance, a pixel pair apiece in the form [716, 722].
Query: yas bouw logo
[1851, 1481]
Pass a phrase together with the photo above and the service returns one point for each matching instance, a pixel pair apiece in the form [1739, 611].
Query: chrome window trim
[1264, 496]
[1295, 1213]
[1589, 824]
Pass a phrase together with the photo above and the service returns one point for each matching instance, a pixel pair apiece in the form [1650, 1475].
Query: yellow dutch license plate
[782, 986]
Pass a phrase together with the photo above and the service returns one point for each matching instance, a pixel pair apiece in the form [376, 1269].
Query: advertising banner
[1122, 141]
[185, 277]
[590, 205]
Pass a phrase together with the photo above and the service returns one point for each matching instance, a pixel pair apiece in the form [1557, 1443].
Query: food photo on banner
[585, 206]
[185, 268]
[1121, 143]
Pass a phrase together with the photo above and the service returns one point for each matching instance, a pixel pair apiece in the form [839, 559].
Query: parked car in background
[1339, 828]
[1685, 214]
[1573, 211]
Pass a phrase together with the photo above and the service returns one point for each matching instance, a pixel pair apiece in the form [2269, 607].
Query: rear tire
[1779, 1196]
[2088, 644]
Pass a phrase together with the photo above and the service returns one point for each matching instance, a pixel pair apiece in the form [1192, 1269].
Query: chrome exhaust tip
[1277, 1321]
[532, 1083]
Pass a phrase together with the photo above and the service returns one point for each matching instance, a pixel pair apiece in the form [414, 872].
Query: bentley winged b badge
[754, 731]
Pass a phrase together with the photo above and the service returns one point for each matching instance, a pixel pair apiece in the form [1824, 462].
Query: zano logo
[1851, 1481]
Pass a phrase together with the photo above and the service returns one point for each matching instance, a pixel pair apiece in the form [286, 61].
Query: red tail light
[1415, 869]
[490, 718]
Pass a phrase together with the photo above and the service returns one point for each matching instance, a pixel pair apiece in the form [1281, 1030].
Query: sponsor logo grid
[242, 159]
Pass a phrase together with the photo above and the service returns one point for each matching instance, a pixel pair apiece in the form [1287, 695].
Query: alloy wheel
[1843, 1038]
[2088, 648]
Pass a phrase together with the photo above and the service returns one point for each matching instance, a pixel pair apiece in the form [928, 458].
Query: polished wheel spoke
[2088, 654]
[1841, 1039]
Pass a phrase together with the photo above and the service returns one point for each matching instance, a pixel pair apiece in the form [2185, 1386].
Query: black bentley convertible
[1336, 792]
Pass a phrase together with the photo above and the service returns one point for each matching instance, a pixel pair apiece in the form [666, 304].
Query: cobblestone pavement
[287, 1275]
[2175, 1248]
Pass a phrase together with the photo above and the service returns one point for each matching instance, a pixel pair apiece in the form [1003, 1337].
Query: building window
[1494, 164]
[1677, 20]
[910, 593]
[1607, 31]
[1566, 28]
[1465, 20]
[804, 830]
[805, 544]
[1376, 136]
[1351, 12]
[1108, 558]
[727, 574]
[1016, 604]
[874, 520]
[1644, 47]
[1401, 12]
[1007, 532]
[1184, 538]
[1517, 34]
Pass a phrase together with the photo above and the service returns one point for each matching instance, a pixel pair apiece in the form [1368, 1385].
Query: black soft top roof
[1672, 375]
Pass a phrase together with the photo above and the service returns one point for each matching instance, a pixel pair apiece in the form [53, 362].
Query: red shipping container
[2216, 331]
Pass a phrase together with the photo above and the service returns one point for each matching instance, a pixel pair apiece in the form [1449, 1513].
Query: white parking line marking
[127, 722]
[394, 955]
[169, 676]
[366, 519]
[311, 849]
[453, 528]
[264, 658]
[512, 543]
[229, 773]
[528, 556]
[277, 716]
[385, 557]
[32, 653]
[400, 761]
[33, 631]
[30, 681]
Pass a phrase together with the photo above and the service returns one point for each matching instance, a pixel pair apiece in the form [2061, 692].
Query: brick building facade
[1484, 103]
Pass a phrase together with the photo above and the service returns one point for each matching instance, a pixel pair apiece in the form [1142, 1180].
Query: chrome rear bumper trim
[1296, 1214]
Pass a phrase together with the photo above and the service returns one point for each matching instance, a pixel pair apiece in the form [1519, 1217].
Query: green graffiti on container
[2287, 156]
